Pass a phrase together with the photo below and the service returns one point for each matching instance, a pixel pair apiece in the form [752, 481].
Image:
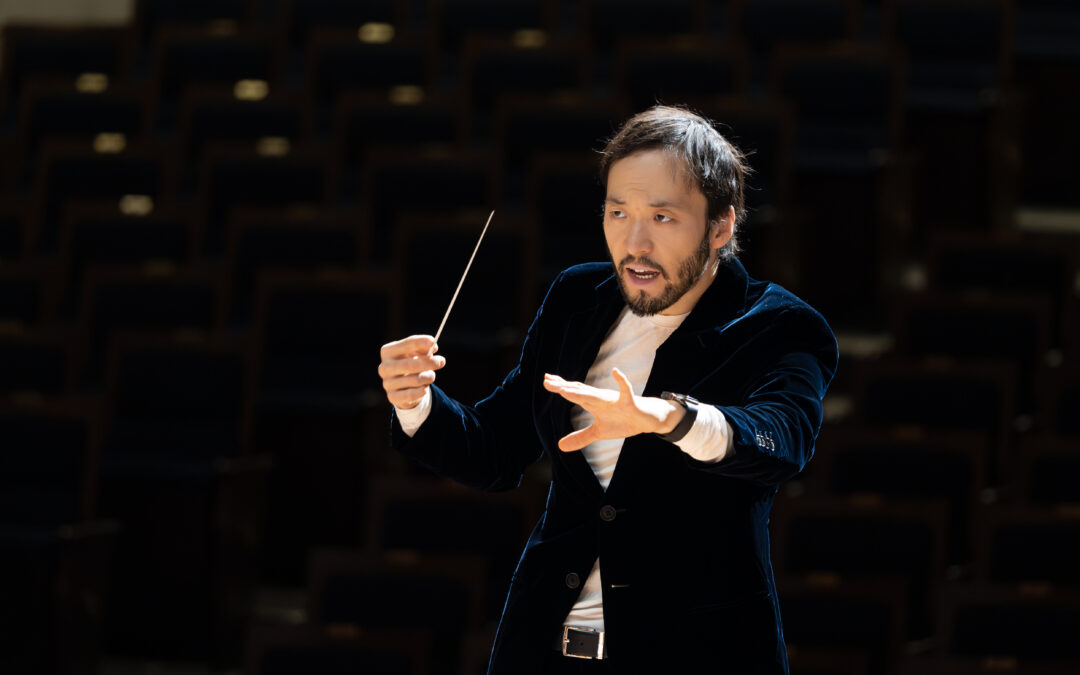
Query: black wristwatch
[688, 402]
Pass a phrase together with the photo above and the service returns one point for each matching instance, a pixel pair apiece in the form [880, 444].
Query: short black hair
[712, 163]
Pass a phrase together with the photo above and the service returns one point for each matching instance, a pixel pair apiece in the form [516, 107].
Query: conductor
[673, 394]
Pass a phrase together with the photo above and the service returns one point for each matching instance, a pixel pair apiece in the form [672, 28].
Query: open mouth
[642, 273]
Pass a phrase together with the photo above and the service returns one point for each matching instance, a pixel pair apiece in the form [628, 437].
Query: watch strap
[684, 425]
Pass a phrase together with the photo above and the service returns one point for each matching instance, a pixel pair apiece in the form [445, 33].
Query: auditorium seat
[764, 24]
[1063, 401]
[108, 167]
[764, 130]
[285, 649]
[260, 239]
[607, 21]
[564, 191]
[431, 179]
[125, 232]
[1026, 625]
[1046, 471]
[149, 16]
[54, 550]
[319, 406]
[1047, 66]
[847, 101]
[60, 53]
[337, 62]
[179, 475]
[651, 70]
[527, 125]
[36, 360]
[458, 19]
[318, 334]
[859, 616]
[152, 297]
[77, 110]
[973, 327]
[493, 67]
[211, 114]
[364, 122]
[27, 293]
[867, 537]
[13, 228]
[906, 464]
[352, 588]
[958, 79]
[1018, 545]
[205, 55]
[1006, 262]
[482, 338]
[268, 173]
[177, 397]
[938, 394]
[431, 516]
[302, 19]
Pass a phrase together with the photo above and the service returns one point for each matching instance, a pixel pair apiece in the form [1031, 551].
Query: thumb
[578, 439]
[625, 389]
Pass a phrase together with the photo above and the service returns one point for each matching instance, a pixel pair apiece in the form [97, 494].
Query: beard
[690, 270]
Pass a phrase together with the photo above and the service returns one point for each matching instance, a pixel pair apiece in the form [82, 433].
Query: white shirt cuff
[410, 419]
[709, 439]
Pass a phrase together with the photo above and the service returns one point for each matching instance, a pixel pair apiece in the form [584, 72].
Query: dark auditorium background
[214, 212]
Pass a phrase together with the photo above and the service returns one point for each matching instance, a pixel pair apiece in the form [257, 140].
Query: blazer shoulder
[579, 282]
[778, 304]
[586, 274]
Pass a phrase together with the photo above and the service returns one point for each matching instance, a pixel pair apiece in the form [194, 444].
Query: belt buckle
[566, 642]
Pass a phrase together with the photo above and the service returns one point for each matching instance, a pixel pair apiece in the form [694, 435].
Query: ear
[722, 229]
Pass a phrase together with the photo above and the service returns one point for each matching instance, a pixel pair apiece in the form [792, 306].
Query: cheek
[611, 236]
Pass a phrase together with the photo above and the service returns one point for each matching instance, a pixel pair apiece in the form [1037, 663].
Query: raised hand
[616, 414]
[408, 368]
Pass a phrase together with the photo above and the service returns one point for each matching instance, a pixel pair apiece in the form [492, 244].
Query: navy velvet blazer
[687, 578]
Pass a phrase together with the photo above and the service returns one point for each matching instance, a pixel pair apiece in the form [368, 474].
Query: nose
[638, 238]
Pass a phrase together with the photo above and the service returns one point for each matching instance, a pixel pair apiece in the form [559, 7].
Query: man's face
[655, 226]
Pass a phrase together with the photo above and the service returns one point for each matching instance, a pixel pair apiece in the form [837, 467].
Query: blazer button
[573, 580]
[607, 513]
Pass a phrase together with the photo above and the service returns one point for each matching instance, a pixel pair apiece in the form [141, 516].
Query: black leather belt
[581, 643]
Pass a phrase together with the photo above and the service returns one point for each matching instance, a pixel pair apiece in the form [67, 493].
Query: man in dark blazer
[673, 394]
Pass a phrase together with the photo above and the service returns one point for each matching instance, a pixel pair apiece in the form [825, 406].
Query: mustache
[643, 261]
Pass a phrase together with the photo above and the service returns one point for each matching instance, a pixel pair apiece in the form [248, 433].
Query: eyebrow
[660, 204]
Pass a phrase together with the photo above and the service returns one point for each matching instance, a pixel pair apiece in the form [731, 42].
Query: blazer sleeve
[488, 445]
[775, 425]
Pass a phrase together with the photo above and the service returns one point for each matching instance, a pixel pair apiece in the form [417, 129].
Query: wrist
[681, 426]
[674, 413]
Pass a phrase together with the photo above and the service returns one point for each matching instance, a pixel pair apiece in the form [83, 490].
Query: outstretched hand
[616, 414]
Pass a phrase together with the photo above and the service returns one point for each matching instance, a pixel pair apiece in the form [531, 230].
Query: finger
[573, 392]
[407, 398]
[423, 379]
[410, 365]
[625, 388]
[414, 344]
[578, 439]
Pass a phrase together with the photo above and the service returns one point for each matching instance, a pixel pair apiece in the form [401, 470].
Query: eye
[615, 213]
[661, 218]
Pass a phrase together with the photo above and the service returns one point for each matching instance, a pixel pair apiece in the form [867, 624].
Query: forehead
[657, 172]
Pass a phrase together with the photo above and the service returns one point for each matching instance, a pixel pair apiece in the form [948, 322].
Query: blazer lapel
[583, 333]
